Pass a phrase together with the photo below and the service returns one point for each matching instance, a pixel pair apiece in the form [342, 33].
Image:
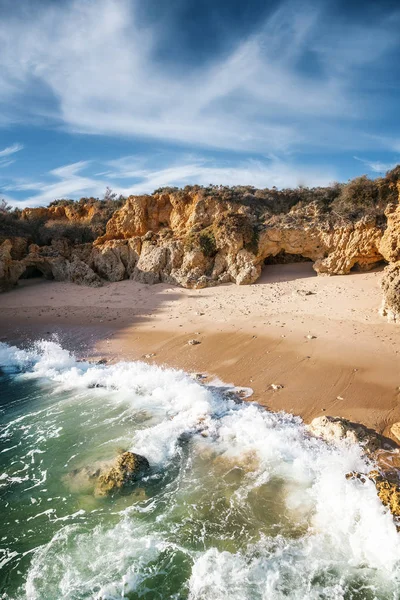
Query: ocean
[240, 503]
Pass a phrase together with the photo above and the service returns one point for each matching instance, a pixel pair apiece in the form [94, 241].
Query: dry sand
[321, 338]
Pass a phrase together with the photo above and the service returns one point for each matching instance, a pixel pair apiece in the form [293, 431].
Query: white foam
[349, 532]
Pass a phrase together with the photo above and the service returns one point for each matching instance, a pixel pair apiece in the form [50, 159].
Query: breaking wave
[240, 503]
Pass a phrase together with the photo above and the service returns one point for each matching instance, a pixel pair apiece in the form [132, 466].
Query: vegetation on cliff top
[340, 202]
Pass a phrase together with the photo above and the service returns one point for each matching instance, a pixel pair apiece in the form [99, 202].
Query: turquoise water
[240, 503]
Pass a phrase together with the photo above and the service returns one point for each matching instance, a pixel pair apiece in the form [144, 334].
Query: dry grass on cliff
[360, 198]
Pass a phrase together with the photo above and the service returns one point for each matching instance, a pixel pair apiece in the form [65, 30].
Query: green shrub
[76, 233]
[252, 244]
[207, 243]
[203, 240]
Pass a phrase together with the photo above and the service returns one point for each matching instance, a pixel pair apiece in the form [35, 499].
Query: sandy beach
[305, 344]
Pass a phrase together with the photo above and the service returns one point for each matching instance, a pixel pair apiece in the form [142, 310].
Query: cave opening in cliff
[284, 258]
[285, 266]
[379, 265]
[32, 272]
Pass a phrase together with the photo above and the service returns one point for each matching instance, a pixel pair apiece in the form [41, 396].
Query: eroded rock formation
[383, 451]
[127, 469]
[196, 239]
[391, 293]
[106, 478]
[336, 429]
[387, 489]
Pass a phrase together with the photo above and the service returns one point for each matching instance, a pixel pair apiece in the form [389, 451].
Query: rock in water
[377, 447]
[388, 491]
[127, 469]
[334, 429]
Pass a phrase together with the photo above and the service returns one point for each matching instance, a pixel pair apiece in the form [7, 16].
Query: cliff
[197, 239]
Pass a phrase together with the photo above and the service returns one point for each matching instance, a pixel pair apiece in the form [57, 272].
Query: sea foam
[340, 542]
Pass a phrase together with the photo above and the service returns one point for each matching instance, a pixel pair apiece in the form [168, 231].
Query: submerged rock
[108, 477]
[126, 470]
[378, 448]
[387, 489]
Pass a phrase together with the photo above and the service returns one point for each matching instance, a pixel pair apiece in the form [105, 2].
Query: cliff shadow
[79, 316]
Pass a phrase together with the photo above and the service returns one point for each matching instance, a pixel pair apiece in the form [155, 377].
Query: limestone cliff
[391, 293]
[196, 239]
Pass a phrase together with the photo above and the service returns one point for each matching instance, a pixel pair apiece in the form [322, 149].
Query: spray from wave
[240, 502]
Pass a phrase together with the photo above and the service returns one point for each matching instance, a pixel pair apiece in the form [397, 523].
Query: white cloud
[11, 150]
[72, 183]
[103, 75]
[5, 163]
[5, 160]
[377, 166]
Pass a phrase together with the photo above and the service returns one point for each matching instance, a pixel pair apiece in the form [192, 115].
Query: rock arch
[33, 266]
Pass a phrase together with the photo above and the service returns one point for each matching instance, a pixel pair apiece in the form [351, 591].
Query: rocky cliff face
[196, 240]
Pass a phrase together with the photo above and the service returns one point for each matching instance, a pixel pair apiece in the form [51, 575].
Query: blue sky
[137, 94]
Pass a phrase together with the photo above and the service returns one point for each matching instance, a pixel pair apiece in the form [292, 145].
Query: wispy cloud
[377, 166]
[5, 163]
[70, 183]
[10, 150]
[130, 175]
[5, 160]
[104, 76]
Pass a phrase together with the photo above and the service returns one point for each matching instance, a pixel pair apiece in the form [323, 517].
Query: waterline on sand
[240, 502]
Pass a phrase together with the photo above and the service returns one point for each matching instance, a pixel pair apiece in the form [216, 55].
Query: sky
[139, 94]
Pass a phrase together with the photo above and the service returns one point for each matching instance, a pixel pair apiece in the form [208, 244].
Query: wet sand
[319, 340]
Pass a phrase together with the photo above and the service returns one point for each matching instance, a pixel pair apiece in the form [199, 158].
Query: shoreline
[319, 338]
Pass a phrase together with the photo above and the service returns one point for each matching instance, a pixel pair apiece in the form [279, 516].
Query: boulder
[107, 260]
[395, 431]
[10, 269]
[336, 429]
[151, 264]
[128, 468]
[80, 273]
[387, 489]
[388, 492]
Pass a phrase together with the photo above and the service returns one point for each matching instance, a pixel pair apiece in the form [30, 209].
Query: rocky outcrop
[389, 245]
[71, 212]
[388, 492]
[391, 293]
[337, 429]
[383, 451]
[196, 239]
[57, 261]
[128, 468]
[387, 489]
[334, 251]
[116, 259]
[106, 478]
[10, 269]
